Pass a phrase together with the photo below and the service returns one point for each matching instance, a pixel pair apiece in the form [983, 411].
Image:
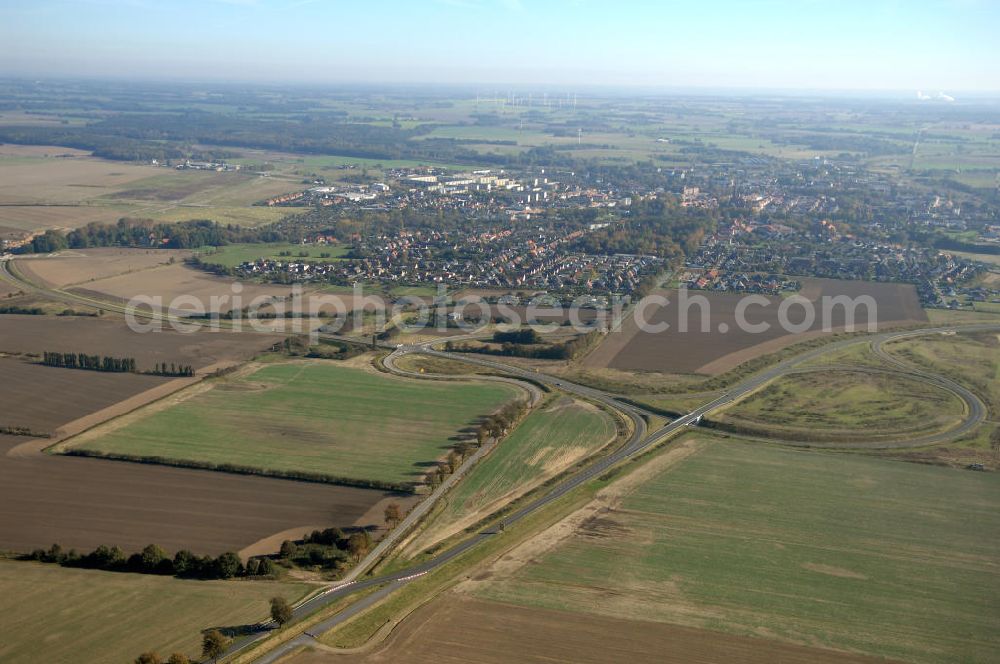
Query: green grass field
[311, 417]
[854, 553]
[73, 615]
[547, 440]
[849, 405]
[232, 255]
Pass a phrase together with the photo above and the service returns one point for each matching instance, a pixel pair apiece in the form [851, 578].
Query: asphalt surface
[639, 441]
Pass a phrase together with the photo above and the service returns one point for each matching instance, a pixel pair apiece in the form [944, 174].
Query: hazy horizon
[817, 46]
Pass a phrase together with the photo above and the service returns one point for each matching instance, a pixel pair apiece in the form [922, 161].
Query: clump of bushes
[528, 344]
[330, 549]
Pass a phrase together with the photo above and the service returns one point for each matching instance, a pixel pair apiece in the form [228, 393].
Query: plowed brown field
[457, 629]
[37, 334]
[82, 503]
[722, 345]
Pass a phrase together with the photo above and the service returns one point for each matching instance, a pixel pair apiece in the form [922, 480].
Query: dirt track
[460, 629]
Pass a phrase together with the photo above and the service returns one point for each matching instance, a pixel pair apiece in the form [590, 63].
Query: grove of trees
[154, 560]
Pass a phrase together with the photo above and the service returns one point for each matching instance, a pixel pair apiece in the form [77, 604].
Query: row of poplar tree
[111, 364]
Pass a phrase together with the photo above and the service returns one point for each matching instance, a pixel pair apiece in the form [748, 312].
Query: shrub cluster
[331, 549]
[532, 349]
[326, 349]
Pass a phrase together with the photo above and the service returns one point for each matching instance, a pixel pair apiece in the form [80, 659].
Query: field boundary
[320, 478]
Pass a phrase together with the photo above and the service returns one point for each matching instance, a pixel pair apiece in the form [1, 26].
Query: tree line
[303, 476]
[111, 364]
[89, 362]
[131, 232]
[162, 369]
[154, 560]
[494, 426]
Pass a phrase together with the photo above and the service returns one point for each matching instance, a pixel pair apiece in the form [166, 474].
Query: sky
[929, 45]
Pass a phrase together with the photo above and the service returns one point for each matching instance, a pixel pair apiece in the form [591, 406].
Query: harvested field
[176, 185]
[241, 216]
[78, 266]
[456, 629]
[173, 281]
[82, 503]
[7, 289]
[721, 345]
[51, 187]
[309, 417]
[76, 615]
[43, 216]
[206, 188]
[117, 275]
[65, 180]
[11, 150]
[37, 334]
[843, 552]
